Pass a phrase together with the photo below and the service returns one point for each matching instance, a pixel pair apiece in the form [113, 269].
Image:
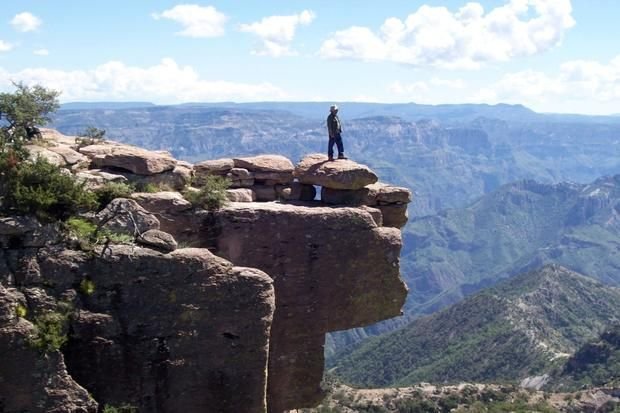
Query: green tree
[25, 108]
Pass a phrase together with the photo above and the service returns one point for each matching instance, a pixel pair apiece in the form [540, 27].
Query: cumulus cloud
[277, 32]
[5, 46]
[581, 86]
[41, 52]
[166, 82]
[26, 22]
[467, 38]
[197, 21]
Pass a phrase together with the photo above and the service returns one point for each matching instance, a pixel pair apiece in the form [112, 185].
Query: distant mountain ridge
[520, 328]
[104, 105]
[450, 113]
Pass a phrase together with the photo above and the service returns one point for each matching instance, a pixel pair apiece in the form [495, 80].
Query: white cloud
[26, 22]
[412, 89]
[467, 38]
[434, 91]
[198, 21]
[166, 82]
[5, 46]
[277, 32]
[41, 52]
[580, 86]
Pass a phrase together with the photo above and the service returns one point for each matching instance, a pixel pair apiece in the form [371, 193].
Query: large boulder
[275, 169]
[126, 216]
[219, 167]
[159, 240]
[341, 174]
[214, 167]
[129, 158]
[265, 163]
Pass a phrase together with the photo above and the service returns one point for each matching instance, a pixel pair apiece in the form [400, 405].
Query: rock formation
[234, 324]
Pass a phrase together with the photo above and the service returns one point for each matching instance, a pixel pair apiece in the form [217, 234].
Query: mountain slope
[518, 227]
[596, 363]
[517, 329]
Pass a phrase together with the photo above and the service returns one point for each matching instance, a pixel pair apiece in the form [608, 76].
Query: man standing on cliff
[335, 129]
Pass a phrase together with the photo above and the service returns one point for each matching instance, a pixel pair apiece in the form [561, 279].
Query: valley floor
[463, 398]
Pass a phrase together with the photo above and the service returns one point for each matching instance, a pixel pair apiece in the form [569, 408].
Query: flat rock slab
[265, 163]
[380, 194]
[214, 167]
[241, 195]
[162, 202]
[339, 174]
[40, 152]
[70, 156]
[136, 160]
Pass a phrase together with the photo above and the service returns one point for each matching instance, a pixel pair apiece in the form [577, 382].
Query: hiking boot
[331, 158]
[342, 157]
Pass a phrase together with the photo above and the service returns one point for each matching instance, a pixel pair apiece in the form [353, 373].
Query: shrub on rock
[42, 189]
[212, 194]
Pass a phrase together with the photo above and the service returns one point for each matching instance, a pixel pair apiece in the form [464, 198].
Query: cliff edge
[203, 310]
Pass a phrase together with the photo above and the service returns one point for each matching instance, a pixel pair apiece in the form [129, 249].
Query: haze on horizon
[549, 55]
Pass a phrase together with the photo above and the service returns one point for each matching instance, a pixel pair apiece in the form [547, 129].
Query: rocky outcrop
[29, 379]
[179, 332]
[173, 329]
[324, 281]
[129, 158]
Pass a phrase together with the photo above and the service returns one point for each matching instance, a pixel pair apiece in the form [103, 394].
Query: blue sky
[551, 55]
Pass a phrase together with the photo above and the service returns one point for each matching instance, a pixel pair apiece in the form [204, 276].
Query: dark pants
[330, 146]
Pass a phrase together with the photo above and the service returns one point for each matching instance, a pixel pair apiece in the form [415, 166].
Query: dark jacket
[333, 125]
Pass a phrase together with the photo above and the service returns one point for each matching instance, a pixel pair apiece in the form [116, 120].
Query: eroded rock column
[333, 269]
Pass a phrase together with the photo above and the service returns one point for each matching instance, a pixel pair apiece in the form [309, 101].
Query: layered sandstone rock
[333, 269]
[390, 200]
